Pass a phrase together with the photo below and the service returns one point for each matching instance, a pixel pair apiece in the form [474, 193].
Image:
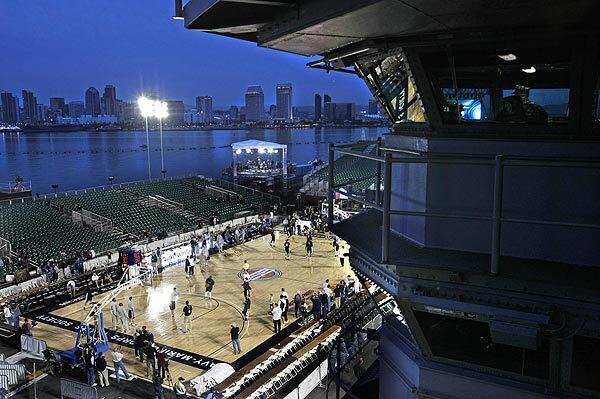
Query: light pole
[110, 179]
[147, 109]
[161, 110]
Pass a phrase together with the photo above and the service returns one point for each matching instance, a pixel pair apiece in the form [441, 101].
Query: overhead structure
[258, 168]
[484, 224]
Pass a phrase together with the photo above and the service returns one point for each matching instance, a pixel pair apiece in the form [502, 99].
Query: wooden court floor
[211, 319]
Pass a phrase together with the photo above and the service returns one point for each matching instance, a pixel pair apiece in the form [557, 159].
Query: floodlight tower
[147, 110]
[161, 110]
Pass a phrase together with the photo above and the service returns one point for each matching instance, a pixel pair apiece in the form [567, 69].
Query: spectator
[157, 384]
[102, 370]
[277, 318]
[88, 364]
[27, 328]
[150, 353]
[117, 357]
[297, 303]
[162, 361]
[235, 339]
[179, 389]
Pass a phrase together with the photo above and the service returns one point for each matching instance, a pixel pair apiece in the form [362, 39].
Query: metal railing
[384, 176]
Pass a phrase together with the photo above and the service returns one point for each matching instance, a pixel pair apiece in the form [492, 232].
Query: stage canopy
[249, 147]
[257, 145]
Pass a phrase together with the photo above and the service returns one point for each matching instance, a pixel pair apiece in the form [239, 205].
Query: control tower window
[391, 82]
[517, 85]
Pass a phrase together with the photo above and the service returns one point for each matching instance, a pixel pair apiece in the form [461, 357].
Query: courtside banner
[175, 354]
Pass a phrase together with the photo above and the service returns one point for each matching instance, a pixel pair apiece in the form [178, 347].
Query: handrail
[497, 162]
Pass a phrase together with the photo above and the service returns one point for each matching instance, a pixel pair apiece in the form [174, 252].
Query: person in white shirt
[113, 314]
[341, 255]
[246, 276]
[117, 357]
[174, 298]
[71, 288]
[95, 280]
[7, 314]
[277, 319]
[179, 388]
[123, 317]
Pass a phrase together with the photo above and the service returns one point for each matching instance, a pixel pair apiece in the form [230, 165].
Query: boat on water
[9, 129]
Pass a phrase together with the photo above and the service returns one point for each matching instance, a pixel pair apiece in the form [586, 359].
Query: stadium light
[261, 150]
[238, 151]
[161, 110]
[248, 151]
[147, 110]
[146, 107]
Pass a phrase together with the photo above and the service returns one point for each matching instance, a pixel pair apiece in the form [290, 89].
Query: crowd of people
[315, 304]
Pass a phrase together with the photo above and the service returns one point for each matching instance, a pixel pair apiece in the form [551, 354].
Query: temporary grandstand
[357, 174]
[62, 225]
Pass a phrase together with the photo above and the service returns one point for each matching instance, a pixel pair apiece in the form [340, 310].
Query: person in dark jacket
[157, 384]
[247, 304]
[102, 370]
[235, 339]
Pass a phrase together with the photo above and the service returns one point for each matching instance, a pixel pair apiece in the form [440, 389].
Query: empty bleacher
[40, 232]
[43, 229]
[128, 212]
[348, 170]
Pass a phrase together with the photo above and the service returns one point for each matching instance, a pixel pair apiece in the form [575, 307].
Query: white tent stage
[258, 148]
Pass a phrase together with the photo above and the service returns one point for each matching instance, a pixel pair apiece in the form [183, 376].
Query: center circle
[262, 274]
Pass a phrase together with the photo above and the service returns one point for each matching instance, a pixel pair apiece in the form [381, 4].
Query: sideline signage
[175, 354]
[76, 390]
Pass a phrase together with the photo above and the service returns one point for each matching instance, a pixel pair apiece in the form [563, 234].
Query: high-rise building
[42, 112]
[234, 113]
[318, 107]
[327, 115]
[30, 114]
[176, 110]
[10, 108]
[92, 102]
[109, 99]
[57, 106]
[75, 109]
[255, 104]
[284, 111]
[204, 109]
[373, 107]
[340, 112]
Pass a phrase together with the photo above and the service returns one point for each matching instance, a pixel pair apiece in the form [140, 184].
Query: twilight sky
[58, 48]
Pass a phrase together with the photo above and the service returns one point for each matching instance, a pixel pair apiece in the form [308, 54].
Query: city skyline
[141, 51]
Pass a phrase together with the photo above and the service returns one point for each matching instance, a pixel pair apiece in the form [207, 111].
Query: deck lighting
[508, 57]
[248, 151]
[531, 69]
[238, 151]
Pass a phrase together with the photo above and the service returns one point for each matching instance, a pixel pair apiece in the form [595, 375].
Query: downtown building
[92, 102]
[109, 104]
[204, 109]
[318, 108]
[284, 108]
[10, 108]
[30, 109]
[254, 104]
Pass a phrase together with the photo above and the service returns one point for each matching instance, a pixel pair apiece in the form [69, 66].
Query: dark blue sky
[58, 48]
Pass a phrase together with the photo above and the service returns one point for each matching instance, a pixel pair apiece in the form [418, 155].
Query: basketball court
[209, 340]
